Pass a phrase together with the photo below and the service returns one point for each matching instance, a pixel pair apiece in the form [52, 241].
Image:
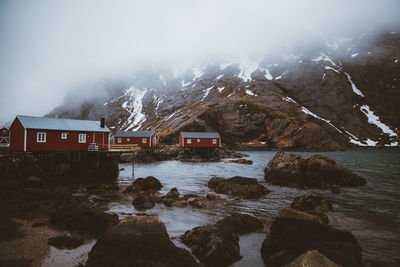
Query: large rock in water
[315, 172]
[315, 205]
[138, 241]
[294, 232]
[238, 186]
[218, 244]
[149, 183]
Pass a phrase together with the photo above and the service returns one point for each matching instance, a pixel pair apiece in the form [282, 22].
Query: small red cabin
[29, 133]
[141, 138]
[200, 139]
[4, 137]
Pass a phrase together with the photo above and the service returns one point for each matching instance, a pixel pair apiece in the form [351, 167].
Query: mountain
[322, 96]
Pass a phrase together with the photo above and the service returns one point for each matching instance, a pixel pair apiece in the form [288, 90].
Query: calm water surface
[371, 212]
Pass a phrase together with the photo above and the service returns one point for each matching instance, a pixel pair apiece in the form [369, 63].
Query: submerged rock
[82, 219]
[238, 186]
[294, 232]
[143, 202]
[240, 161]
[149, 183]
[213, 196]
[314, 172]
[315, 205]
[138, 241]
[218, 244]
[173, 193]
[311, 258]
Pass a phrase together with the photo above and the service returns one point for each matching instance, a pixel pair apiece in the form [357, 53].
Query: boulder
[312, 258]
[241, 223]
[196, 203]
[143, 202]
[315, 205]
[238, 186]
[313, 172]
[213, 245]
[213, 196]
[149, 183]
[240, 161]
[295, 232]
[138, 241]
[173, 193]
[218, 244]
[82, 219]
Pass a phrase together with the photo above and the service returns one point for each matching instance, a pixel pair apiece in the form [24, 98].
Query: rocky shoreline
[75, 213]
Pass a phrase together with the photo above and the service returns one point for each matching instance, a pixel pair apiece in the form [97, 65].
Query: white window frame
[198, 140]
[119, 140]
[144, 140]
[41, 137]
[189, 141]
[128, 139]
[82, 138]
[214, 141]
[64, 135]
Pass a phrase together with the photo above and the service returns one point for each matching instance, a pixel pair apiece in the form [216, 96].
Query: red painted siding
[54, 142]
[200, 142]
[17, 132]
[136, 140]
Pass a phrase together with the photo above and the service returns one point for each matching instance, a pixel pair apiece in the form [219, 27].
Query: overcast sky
[49, 48]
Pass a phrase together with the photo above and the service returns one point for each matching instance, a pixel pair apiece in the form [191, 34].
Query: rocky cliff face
[320, 97]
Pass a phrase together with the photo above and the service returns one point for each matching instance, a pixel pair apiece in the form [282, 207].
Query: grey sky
[49, 48]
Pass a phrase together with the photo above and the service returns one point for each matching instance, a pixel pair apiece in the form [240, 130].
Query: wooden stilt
[38, 168]
[133, 165]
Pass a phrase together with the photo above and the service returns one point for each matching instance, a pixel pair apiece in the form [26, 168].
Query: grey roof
[200, 135]
[30, 122]
[134, 134]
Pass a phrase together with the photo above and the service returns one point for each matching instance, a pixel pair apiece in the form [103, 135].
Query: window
[119, 140]
[189, 141]
[144, 140]
[4, 131]
[128, 139]
[64, 135]
[198, 140]
[82, 138]
[41, 137]
[214, 141]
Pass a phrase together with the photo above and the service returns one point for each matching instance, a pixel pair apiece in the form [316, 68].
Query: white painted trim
[83, 141]
[44, 139]
[24, 140]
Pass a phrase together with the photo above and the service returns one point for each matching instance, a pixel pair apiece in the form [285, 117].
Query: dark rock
[294, 232]
[138, 241]
[315, 172]
[311, 258]
[122, 169]
[34, 225]
[21, 262]
[173, 193]
[82, 219]
[197, 203]
[315, 205]
[213, 196]
[241, 223]
[213, 245]
[238, 186]
[33, 181]
[126, 157]
[240, 161]
[149, 183]
[143, 202]
[65, 242]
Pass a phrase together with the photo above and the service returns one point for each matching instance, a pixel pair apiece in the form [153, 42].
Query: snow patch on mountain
[373, 119]
[330, 68]
[353, 86]
[354, 55]
[247, 68]
[206, 92]
[220, 89]
[134, 106]
[324, 57]
[197, 72]
[280, 76]
[250, 92]
[268, 75]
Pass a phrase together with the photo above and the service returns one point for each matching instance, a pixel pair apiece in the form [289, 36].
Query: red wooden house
[4, 137]
[200, 139]
[29, 133]
[141, 138]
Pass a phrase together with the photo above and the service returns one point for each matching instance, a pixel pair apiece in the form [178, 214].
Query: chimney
[102, 122]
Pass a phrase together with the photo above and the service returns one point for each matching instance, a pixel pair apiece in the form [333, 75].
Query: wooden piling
[133, 164]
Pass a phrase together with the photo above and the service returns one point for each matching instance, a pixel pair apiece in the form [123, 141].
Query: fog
[49, 49]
